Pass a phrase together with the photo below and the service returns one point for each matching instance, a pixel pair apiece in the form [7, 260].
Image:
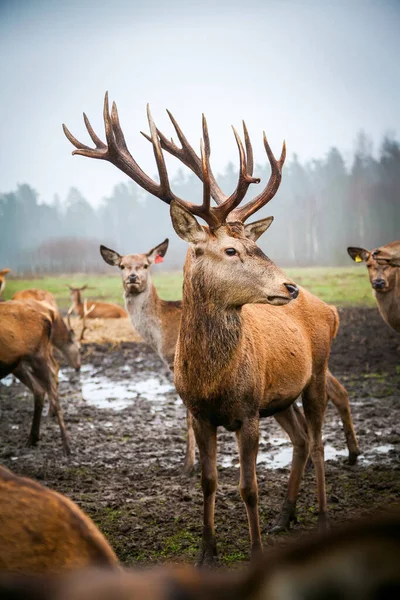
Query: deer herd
[244, 343]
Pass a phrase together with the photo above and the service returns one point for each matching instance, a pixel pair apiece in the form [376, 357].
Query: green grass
[342, 286]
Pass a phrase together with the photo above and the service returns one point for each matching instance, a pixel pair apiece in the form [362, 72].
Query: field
[127, 429]
[343, 286]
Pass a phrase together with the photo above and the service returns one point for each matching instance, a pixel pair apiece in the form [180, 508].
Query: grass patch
[342, 286]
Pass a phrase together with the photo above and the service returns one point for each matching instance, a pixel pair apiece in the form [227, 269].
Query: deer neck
[389, 304]
[77, 302]
[210, 337]
[144, 310]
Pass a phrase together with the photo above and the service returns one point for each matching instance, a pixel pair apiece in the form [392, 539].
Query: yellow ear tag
[358, 258]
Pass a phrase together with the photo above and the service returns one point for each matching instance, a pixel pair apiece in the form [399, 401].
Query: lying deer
[158, 321]
[100, 310]
[358, 561]
[42, 531]
[3, 274]
[238, 357]
[26, 352]
[384, 274]
[62, 336]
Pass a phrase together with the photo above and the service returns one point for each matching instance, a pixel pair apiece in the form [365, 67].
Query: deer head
[135, 271]
[224, 254]
[382, 274]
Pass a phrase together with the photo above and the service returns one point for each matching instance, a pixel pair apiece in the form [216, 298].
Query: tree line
[321, 207]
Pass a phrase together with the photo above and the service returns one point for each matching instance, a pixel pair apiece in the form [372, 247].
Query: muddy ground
[127, 428]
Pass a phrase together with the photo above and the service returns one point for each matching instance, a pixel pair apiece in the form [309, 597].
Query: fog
[315, 73]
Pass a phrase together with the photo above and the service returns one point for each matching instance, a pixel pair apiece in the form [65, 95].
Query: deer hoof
[323, 523]
[353, 457]
[32, 441]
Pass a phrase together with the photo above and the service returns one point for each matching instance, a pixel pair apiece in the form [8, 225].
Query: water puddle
[102, 392]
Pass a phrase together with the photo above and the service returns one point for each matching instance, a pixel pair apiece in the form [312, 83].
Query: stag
[238, 357]
[384, 274]
[45, 532]
[62, 336]
[156, 320]
[26, 352]
[95, 310]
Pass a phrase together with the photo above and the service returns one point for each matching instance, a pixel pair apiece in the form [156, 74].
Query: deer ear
[254, 230]
[156, 254]
[110, 256]
[185, 224]
[358, 254]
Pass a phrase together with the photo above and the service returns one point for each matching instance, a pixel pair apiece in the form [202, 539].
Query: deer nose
[292, 289]
[378, 284]
[132, 278]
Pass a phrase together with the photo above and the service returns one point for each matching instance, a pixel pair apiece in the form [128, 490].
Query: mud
[127, 428]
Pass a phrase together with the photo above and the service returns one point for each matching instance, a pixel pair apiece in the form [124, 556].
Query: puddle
[281, 456]
[102, 392]
[9, 380]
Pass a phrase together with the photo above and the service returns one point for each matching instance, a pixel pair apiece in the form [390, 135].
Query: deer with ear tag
[238, 356]
[156, 320]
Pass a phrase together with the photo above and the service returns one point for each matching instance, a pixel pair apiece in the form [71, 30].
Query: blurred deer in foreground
[238, 357]
[96, 310]
[62, 336]
[42, 531]
[3, 274]
[156, 320]
[384, 274]
[26, 352]
[359, 561]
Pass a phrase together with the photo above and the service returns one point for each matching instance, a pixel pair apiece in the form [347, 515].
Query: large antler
[187, 155]
[116, 152]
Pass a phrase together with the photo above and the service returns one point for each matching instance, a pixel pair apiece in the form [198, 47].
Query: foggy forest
[332, 204]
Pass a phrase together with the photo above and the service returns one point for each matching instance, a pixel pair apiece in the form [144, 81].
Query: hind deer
[158, 321]
[384, 274]
[26, 352]
[62, 336]
[42, 531]
[238, 357]
[3, 274]
[95, 310]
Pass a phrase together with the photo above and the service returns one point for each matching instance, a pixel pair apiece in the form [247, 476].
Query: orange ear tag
[159, 259]
[357, 258]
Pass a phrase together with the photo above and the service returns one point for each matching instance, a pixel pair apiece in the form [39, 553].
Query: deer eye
[230, 251]
[145, 266]
[122, 267]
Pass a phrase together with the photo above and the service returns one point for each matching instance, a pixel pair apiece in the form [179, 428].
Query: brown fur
[238, 360]
[101, 310]
[156, 320]
[359, 561]
[3, 274]
[387, 297]
[42, 531]
[25, 351]
[62, 337]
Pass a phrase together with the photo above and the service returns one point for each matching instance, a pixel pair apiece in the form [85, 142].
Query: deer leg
[293, 422]
[247, 438]
[206, 438]
[188, 464]
[340, 398]
[314, 404]
[23, 373]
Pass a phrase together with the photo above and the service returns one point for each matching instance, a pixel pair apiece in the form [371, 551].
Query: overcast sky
[312, 72]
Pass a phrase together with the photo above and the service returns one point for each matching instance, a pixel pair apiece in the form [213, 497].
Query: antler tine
[244, 212]
[223, 210]
[86, 312]
[206, 177]
[162, 169]
[249, 150]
